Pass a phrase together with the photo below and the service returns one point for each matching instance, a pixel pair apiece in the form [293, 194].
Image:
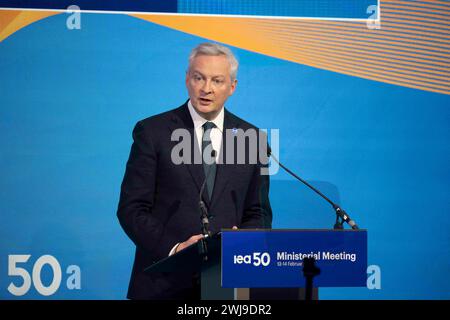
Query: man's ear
[233, 86]
[187, 77]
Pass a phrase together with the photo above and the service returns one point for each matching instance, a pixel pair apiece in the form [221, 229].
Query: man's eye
[218, 81]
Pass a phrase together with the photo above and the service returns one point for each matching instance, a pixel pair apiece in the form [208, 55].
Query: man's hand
[189, 242]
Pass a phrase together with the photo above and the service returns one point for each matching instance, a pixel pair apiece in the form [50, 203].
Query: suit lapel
[224, 171]
[182, 119]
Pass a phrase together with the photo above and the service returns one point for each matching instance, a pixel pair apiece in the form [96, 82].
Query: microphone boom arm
[341, 215]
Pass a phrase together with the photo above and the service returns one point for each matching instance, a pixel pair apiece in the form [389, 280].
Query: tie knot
[208, 125]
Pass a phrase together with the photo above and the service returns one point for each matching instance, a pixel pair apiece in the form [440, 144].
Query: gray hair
[214, 49]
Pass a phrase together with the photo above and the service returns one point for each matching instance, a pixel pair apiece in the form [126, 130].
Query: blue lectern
[271, 262]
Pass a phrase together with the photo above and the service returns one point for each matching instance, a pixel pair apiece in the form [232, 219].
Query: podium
[206, 262]
[271, 262]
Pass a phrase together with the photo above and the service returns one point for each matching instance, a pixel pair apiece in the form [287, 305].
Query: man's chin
[205, 107]
[208, 112]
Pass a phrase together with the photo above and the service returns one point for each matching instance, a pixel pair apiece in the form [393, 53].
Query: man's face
[209, 84]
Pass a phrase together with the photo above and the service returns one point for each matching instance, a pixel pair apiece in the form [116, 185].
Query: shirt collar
[200, 121]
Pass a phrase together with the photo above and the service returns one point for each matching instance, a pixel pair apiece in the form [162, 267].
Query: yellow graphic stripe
[427, 4]
[231, 30]
[388, 29]
[411, 49]
[14, 20]
[388, 33]
[415, 6]
[414, 22]
[412, 8]
[416, 77]
[369, 50]
[440, 16]
[373, 61]
[375, 40]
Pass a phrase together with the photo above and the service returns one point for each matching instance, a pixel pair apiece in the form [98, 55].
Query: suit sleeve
[137, 196]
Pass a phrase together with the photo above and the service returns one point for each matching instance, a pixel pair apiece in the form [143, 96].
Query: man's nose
[207, 88]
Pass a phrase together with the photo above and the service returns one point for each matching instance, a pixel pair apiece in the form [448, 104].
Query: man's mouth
[205, 100]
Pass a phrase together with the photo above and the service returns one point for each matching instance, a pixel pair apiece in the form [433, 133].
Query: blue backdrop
[70, 98]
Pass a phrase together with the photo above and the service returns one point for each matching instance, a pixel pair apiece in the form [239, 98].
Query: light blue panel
[68, 103]
[290, 8]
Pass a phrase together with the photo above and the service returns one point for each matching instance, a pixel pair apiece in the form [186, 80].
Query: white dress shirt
[216, 137]
[216, 133]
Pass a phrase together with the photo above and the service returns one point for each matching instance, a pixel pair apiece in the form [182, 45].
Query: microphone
[203, 209]
[204, 215]
[341, 215]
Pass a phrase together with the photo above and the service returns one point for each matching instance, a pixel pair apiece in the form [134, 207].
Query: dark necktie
[208, 157]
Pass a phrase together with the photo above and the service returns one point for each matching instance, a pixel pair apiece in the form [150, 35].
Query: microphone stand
[204, 216]
[310, 270]
[205, 228]
[341, 215]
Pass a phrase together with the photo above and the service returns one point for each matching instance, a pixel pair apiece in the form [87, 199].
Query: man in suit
[159, 200]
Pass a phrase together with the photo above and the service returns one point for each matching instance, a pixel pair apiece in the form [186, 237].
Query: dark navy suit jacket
[159, 200]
